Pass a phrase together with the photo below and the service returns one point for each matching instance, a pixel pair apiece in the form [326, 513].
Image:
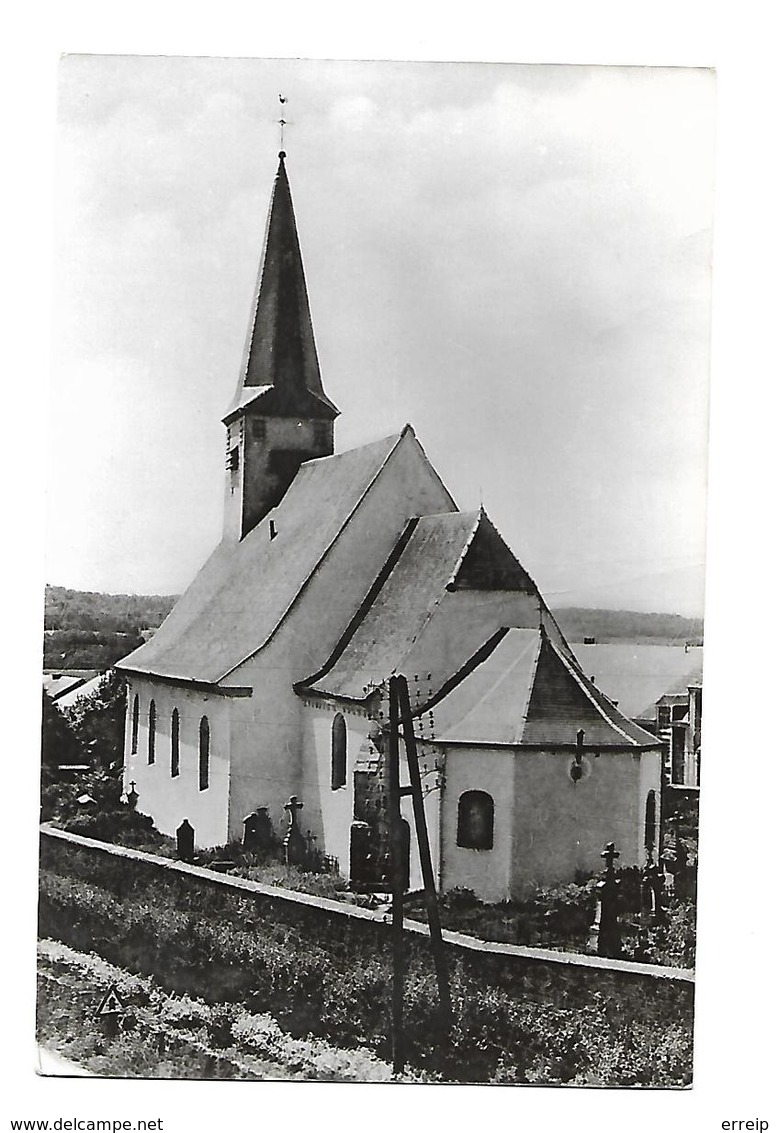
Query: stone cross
[609, 855]
[132, 796]
[606, 919]
[294, 842]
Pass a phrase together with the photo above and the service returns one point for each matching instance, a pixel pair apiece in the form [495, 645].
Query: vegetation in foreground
[201, 942]
[158, 1035]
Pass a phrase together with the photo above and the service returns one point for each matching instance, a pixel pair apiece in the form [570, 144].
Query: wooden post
[396, 876]
[423, 841]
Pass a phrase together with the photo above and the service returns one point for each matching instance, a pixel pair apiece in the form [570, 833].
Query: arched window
[338, 753]
[134, 726]
[152, 730]
[174, 743]
[650, 824]
[475, 820]
[204, 753]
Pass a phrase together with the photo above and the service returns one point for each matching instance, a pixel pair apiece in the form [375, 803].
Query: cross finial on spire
[282, 124]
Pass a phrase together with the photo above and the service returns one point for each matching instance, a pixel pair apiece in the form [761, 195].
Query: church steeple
[280, 415]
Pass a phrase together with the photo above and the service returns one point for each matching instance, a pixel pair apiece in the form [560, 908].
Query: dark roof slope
[244, 590]
[280, 351]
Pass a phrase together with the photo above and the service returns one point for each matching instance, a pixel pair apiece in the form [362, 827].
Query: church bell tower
[280, 415]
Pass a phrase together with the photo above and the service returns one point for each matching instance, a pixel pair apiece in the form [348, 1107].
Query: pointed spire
[280, 351]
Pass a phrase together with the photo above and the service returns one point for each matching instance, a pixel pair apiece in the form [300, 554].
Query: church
[336, 571]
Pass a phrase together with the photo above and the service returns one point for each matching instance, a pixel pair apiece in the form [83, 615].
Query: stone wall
[556, 978]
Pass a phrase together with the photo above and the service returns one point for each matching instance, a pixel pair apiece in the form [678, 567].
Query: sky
[515, 259]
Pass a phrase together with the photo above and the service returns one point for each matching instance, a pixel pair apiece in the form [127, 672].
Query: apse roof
[524, 691]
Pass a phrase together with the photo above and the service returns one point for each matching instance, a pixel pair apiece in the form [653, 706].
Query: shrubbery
[560, 917]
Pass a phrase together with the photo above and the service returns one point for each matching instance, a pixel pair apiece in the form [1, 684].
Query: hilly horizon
[90, 629]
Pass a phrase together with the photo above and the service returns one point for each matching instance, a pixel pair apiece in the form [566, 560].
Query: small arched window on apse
[204, 754]
[152, 730]
[134, 726]
[650, 824]
[475, 820]
[174, 743]
[338, 753]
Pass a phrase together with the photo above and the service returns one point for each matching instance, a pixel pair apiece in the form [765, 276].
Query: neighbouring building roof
[58, 684]
[637, 675]
[69, 698]
[244, 590]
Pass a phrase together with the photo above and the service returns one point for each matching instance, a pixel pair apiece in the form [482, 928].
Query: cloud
[515, 258]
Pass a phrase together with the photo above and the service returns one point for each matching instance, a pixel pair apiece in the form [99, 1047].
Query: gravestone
[604, 934]
[185, 841]
[652, 888]
[294, 842]
[363, 867]
[258, 830]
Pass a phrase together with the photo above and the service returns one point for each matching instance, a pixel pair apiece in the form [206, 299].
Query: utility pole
[425, 859]
[397, 883]
[400, 716]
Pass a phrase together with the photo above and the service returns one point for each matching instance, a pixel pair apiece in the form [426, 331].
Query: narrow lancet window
[174, 743]
[204, 754]
[152, 730]
[134, 726]
[338, 753]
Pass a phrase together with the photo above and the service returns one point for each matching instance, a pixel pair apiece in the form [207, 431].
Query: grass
[170, 1036]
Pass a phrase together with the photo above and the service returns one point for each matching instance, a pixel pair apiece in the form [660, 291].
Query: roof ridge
[465, 670]
[282, 618]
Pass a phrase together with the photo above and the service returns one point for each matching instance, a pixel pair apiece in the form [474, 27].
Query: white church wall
[265, 742]
[562, 826]
[486, 872]
[272, 755]
[335, 807]
[432, 796]
[167, 798]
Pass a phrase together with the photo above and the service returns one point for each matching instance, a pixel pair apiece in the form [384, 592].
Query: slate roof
[525, 691]
[245, 589]
[399, 627]
[280, 352]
